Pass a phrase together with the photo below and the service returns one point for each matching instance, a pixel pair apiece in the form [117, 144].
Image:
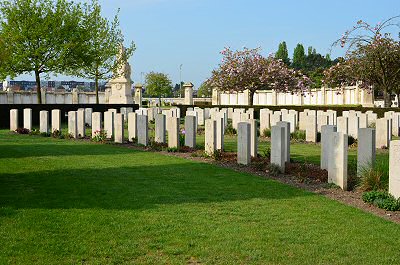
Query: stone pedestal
[188, 87]
[394, 169]
[55, 120]
[243, 143]
[138, 94]
[44, 121]
[28, 119]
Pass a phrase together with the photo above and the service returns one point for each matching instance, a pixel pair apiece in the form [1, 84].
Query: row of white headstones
[334, 133]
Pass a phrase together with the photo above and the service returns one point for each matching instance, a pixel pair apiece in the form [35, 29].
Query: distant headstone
[243, 144]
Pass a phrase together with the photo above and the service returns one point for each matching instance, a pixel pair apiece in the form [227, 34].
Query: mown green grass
[70, 202]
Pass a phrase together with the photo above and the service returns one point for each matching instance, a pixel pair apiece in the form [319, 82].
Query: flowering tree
[372, 58]
[249, 70]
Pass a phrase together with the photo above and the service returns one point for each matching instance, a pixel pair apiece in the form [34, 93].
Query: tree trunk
[251, 93]
[387, 101]
[38, 88]
[96, 85]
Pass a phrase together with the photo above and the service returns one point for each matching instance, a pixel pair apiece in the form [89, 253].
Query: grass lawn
[70, 202]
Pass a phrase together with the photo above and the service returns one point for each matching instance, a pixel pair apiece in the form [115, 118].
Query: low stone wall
[352, 95]
[74, 97]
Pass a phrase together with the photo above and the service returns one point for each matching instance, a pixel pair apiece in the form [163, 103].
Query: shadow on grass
[138, 187]
[60, 149]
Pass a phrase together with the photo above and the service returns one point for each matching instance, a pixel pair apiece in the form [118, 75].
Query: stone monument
[121, 84]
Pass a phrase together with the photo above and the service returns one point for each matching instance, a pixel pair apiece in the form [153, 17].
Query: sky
[191, 33]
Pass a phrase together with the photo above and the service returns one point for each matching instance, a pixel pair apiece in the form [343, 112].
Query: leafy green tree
[282, 53]
[40, 37]
[205, 90]
[103, 40]
[299, 57]
[158, 85]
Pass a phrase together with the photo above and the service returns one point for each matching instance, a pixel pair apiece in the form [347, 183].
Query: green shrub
[230, 130]
[382, 200]
[34, 132]
[266, 153]
[99, 136]
[57, 134]
[374, 177]
[266, 132]
[274, 170]
[22, 131]
[298, 135]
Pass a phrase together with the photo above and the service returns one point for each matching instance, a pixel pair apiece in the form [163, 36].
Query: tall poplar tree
[282, 53]
[299, 57]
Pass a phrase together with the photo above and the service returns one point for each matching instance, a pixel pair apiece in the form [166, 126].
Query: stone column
[55, 120]
[337, 168]
[274, 98]
[142, 130]
[81, 123]
[138, 94]
[44, 121]
[173, 132]
[326, 140]
[160, 129]
[13, 120]
[215, 98]
[119, 128]
[132, 126]
[286, 148]
[246, 95]
[366, 152]
[243, 143]
[382, 133]
[278, 154]
[210, 144]
[394, 169]
[109, 123]
[188, 87]
[311, 128]
[96, 123]
[75, 96]
[190, 131]
[28, 119]
[72, 124]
